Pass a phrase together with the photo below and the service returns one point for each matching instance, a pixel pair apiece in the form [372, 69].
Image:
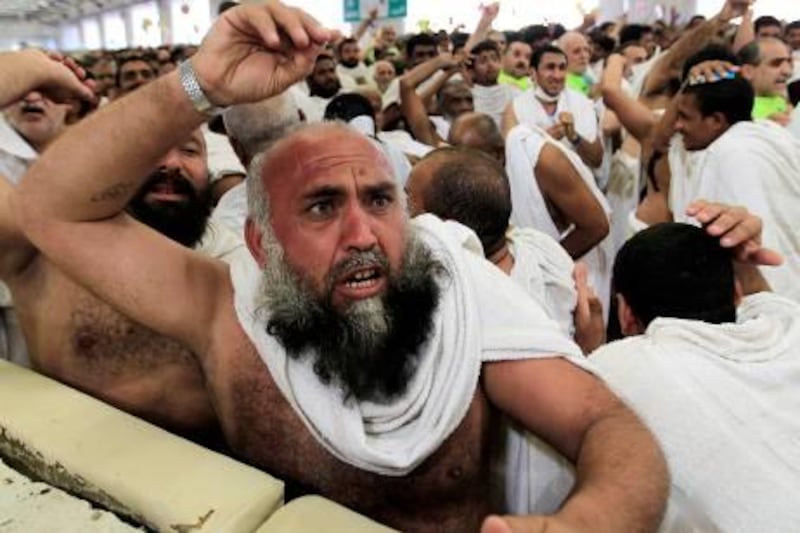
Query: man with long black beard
[411, 449]
[79, 339]
[323, 84]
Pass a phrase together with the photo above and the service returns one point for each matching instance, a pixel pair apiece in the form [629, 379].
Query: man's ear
[253, 237]
[628, 323]
[747, 72]
[718, 122]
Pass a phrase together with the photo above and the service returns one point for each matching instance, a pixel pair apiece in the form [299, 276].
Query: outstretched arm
[412, 104]
[488, 14]
[79, 220]
[621, 476]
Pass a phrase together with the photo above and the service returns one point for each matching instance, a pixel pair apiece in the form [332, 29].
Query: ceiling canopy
[52, 12]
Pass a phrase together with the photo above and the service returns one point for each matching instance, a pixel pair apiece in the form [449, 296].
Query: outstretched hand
[254, 52]
[737, 229]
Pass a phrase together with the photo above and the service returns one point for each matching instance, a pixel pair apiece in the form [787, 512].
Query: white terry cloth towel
[16, 155]
[544, 269]
[794, 125]
[723, 401]
[220, 242]
[530, 112]
[757, 165]
[492, 100]
[622, 194]
[523, 146]
[536, 478]
[231, 210]
[221, 158]
[482, 316]
[405, 142]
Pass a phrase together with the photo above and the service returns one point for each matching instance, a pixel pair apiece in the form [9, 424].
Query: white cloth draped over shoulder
[481, 317]
[530, 112]
[523, 147]
[757, 165]
[723, 401]
[492, 100]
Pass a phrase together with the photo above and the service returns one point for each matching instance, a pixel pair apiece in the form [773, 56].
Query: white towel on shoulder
[723, 401]
[481, 317]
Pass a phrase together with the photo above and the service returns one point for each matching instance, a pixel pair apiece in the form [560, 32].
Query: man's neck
[502, 258]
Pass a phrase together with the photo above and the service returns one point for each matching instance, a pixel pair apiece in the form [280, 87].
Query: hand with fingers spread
[254, 52]
[57, 77]
[590, 331]
[710, 72]
[737, 229]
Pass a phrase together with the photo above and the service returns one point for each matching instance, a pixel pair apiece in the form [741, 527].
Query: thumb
[495, 524]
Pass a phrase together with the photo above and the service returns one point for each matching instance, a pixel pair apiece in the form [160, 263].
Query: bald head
[467, 186]
[302, 153]
[576, 47]
[254, 127]
[478, 131]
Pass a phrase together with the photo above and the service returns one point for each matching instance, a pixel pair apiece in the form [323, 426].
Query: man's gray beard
[370, 350]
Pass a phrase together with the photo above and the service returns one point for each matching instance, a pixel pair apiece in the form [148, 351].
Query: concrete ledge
[79, 444]
[313, 514]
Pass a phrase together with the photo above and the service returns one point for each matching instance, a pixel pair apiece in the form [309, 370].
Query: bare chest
[448, 492]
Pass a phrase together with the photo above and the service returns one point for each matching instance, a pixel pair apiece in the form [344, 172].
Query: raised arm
[632, 114]
[78, 219]
[488, 14]
[365, 24]
[746, 33]
[669, 66]
[412, 104]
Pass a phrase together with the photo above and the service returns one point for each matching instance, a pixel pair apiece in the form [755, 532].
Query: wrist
[195, 90]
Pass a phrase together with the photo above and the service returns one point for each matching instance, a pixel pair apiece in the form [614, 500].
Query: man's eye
[382, 201]
[321, 208]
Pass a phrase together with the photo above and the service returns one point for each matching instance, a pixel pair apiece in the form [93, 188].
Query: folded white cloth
[757, 165]
[492, 100]
[530, 112]
[723, 401]
[481, 317]
[544, 270]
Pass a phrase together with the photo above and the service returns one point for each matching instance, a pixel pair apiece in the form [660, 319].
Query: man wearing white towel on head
[356, 354]
[740, 162]
[711, 364]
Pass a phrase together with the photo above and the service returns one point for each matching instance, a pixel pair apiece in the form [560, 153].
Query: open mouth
[362, 283]
[29, 109]
[363, 279]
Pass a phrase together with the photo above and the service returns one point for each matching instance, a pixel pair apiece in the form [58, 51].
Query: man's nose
[357, 231]
[170, 160]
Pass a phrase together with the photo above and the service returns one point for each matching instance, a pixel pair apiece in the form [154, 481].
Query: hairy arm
[621, 477]
[561, 184]
[79, 220]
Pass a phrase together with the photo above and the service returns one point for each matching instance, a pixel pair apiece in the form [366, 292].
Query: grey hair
[258, 125]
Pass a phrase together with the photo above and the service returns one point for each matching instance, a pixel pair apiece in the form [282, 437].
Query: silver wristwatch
[194, 91]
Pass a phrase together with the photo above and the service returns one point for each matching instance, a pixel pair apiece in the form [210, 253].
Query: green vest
[523, 83]
[580, 83]
[766, 106]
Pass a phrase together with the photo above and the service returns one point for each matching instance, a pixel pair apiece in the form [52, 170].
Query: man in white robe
[740, 162]
[711, 365]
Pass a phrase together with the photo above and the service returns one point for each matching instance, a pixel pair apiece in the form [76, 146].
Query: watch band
[193, 90]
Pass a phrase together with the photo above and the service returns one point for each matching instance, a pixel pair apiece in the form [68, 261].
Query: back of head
[535, 34]
[676, 271]
[712, 52]
[478, 131]
[254, 127]
[766, 21]
[471, 188]
[346, 107]
[733, 98]
[633, 33]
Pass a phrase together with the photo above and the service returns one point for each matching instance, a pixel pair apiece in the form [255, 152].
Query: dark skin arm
[561, 184]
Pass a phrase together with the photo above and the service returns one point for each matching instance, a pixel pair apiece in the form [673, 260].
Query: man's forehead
[313, 154]
[552, 58]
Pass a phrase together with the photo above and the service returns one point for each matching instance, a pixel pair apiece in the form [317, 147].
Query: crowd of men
[533, 280]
